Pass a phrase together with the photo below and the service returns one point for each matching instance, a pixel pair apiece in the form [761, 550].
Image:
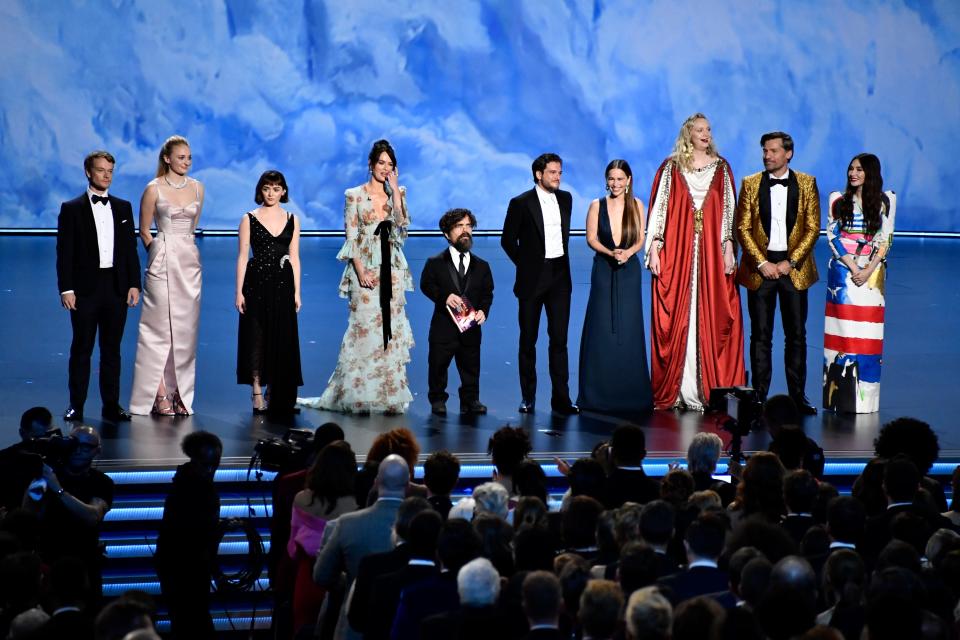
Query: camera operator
[788, 440]
[36, 422]
[76, 499]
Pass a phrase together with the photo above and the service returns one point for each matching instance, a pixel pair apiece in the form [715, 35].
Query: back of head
[35, 422]
[579, 524]
[629, 445]
[790, 445]
[600, 607]
[899, 554]
[399, 441]
[333, 474]
[491, 498]
[657, 521]
[574, 576]
[423, 534]
[846, 519]
[780, 410]
[705, 536]
[627, 525]
[496, 537]
[541, 597]
[754, 579]
[784, 612]
[325, 434]
[698, 618]
[761, 489]
[529, 512]
[795, 573]
[677, 486]
[942, 542]
[441, 470]
[198, 445]
[901, 479]
[27, 624]
[894, 605]
[459, 544]
[638, 566]
[508, 447]
[649, 615]
[529, 479]
[533, 549]
[478, 583]
[704, 452]
[844, 577]
[393, 475]
[772, 539]
[409, 509]
[587, 478]
[119, 618]
[800, 491]
[738, 560]
[910, 437]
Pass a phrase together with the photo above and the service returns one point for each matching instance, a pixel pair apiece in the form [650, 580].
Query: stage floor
[921, 359]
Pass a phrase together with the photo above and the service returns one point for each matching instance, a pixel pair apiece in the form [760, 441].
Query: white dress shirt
[103, 220]
[778, 215]
[552, 227]
[455, 254]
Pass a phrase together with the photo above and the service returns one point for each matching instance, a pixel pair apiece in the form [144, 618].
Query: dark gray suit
[352, 536]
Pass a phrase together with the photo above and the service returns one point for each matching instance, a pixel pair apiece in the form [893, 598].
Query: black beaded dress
[269, 343]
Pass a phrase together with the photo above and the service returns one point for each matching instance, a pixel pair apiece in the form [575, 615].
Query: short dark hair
[93, 155]
[600, 606]
[35, 414]
[705, 535]
[459, 543]
[629, 445]
[911, 437]
[780, 410]
[440, 472]
[450, 219]
[541, 595]
[784, 138]
[271, 176]
[579, 522]
[657, 521]
[195, 442]
[325, 434]
[529, 479]
[508, 446]
[587, 478]
[800, 491]
[423, 533]
[638, 566]
[901, 479]
[408, 510]
[699, 617]
[846, 518]
[541, 162]
[533, 549]
[381, 146]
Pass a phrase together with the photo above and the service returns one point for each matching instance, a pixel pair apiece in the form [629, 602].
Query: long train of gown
[167, 342]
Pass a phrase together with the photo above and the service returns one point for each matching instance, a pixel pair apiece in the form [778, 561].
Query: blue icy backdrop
[469, 92]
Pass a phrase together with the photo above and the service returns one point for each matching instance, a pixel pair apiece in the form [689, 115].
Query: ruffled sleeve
[351, 226]
[883, 239]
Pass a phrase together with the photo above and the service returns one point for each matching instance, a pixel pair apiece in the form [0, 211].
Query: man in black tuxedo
[535, 236]
[447, 278]
[98, 275]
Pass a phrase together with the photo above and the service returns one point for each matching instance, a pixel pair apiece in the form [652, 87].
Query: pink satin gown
[167, 344]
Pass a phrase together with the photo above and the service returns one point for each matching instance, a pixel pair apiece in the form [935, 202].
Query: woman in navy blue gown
[614, 377]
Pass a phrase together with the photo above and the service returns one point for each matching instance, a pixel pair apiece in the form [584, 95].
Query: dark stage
[921, 359]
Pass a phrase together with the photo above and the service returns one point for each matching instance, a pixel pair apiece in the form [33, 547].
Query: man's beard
[464, 243]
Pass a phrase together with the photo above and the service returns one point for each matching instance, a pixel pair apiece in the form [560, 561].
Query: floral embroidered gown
[369, 377]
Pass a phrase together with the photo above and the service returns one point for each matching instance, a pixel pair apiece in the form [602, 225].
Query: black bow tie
[783, 182]
[95, 198]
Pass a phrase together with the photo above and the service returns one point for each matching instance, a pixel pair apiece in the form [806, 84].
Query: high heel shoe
[179, 409]
[163, 407]
[262, 409]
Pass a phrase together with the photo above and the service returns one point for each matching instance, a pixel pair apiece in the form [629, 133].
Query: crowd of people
[768, 550]
[690, 239]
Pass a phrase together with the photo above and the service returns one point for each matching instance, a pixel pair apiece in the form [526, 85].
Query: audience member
[599, 611]
[542, 600]
[530, 512]
[189, 536]
[698, 618]
[735, 566]
[628, 482]
[649, 615]
[760, 491]
[20, 582]
[844, 581]
[508, 447]
[638, 567]
[704, 543]
[916, 440]
[579, 527]
[677, 487]
[588, 478]
[868, 487]
[478, 587]
[754, 580]
[121, 617]
[69, 603]
[656, 529]
[496, 538]
[20, 462]
[400, 442]
[441, 470]
[703, 454]
[800, 494]
[783, 422]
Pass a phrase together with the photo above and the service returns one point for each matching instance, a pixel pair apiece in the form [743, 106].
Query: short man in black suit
[447, 278]
[535, 236]
[98, 275]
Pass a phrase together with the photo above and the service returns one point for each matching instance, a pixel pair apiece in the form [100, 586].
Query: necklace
[176, 186]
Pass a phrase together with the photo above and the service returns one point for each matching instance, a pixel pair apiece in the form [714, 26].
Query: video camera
[283, 454]
[743, 408]
[53, 449]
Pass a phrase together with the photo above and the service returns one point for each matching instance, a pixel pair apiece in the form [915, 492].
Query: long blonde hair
[683, 148]
[166, 150]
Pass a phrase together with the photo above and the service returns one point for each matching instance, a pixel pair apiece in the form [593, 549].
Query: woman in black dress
[614, 377]
[268, 299]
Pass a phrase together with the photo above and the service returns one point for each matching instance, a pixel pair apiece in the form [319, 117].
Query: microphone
[387, 188]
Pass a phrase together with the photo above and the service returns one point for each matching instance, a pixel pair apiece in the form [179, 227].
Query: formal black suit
[630, 485]
[385, 597]
[101, 293]
[690, 583]
[371, 567]
[439, 279]
[540, 283]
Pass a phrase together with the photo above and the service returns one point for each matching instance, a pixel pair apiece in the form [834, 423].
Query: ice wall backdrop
[469, 92]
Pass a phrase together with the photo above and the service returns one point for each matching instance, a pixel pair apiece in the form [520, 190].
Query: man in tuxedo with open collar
[778, 223]
[447, 278]
[535, 236]
[98, 276]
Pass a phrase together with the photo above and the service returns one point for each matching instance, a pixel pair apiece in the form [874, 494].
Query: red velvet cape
[720, 323]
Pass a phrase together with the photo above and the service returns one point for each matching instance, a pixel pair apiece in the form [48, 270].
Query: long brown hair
[630, 226]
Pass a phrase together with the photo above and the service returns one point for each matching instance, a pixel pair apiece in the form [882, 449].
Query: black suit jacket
[465, 623]
[440, 278]
[371, 567]
[625, 485]
[523, 237]
[690, 583]
[385, 598]
[78, 254]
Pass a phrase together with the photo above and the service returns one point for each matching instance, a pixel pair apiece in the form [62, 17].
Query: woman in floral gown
[371, 372]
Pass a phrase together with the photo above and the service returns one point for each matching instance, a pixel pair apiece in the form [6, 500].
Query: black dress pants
[553, 294]
[467, 357]
[762, 305]
[102, 311]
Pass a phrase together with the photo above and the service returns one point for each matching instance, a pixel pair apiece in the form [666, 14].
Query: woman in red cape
[696, 326]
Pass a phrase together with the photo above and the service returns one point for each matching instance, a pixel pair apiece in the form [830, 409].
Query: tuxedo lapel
[536, 212]
[793, 201]
[454, 273]
[764, 203]
[89, 225]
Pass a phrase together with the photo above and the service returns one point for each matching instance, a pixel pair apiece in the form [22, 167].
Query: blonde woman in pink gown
[163, 378]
